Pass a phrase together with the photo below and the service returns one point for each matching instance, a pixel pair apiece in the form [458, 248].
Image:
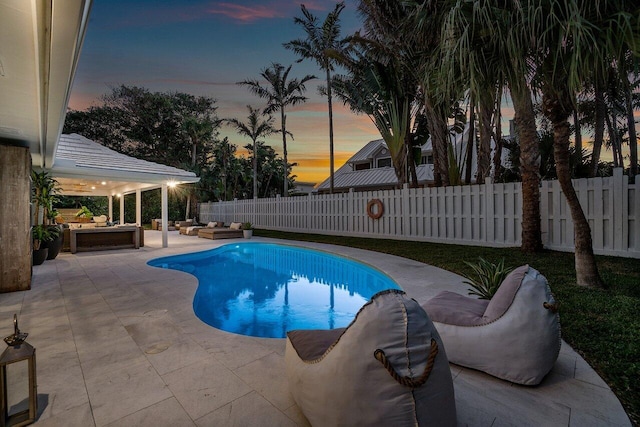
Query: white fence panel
[485, 215]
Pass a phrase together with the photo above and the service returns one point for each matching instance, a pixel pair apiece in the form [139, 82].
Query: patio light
[13, 378]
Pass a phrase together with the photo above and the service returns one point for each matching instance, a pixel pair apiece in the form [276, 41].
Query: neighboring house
[371, 168]
[302, 188]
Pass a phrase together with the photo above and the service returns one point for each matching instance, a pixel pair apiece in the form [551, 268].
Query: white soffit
[40, 43]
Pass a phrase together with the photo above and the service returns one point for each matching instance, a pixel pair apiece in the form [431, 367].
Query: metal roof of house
[81, 164]
[345, 177]
[367, 152]
[370, 178]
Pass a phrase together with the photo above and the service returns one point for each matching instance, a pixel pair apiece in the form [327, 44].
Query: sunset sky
[204, 48]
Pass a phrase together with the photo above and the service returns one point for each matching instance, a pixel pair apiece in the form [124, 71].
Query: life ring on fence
[377, 213]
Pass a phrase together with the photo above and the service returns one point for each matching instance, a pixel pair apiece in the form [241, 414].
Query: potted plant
[84, 214]
[247, 230]
[40, 234]
[46, 234]
[57, 235]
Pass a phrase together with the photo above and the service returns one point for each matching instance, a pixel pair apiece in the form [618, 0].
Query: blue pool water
[265, 290]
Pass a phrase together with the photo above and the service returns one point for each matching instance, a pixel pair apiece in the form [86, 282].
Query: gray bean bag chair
[387, 368]
[514, 336]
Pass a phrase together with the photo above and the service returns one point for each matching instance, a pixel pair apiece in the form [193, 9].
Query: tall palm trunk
[529, 168]
[631, 125]
[557, 112]
[614, 142]
[411, 162]
[285, 162]
[471, 140]
[487, 104]
[255, 170]
[497, 155]
[330, 131]
[439, 140]
[578, 140]
[191, 188]
[598, 136]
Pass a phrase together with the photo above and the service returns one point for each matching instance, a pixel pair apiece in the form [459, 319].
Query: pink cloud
[246, 13]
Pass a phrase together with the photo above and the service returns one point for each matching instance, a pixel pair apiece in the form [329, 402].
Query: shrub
[489, 277]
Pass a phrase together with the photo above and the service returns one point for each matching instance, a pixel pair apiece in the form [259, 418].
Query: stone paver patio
[118, 344]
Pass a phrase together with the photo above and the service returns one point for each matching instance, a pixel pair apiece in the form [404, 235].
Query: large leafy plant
[488, 277]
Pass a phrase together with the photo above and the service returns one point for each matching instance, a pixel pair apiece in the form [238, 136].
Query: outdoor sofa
[387, 368]
[233, 231]
[514, 336]
[192, 230]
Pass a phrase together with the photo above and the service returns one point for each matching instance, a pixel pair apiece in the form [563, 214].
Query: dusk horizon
[204, 49]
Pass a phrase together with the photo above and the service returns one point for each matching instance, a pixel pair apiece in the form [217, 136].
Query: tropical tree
[575, 38]
[254, 129]
[393, 33]
[280, 93]
[197, 130]
[322, 43]
[377, 89]
[488, 42]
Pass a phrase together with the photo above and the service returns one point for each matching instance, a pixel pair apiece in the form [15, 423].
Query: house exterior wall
[480, 215]
[15, 226]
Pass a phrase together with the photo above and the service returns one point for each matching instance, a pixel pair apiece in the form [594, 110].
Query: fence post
[489, 192]
[621, 221]
[277, 221]
[406, 206]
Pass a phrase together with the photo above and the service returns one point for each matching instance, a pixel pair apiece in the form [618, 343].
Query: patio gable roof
[86, 168]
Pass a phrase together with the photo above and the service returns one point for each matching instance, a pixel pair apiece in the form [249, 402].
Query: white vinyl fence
[482, 215]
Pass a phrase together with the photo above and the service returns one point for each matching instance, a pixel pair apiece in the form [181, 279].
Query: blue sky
[204, 48]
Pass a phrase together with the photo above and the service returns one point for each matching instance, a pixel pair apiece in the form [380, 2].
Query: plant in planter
[45, 233]
[57, 235]
[84, 213]
[40, 237]
[247, 230]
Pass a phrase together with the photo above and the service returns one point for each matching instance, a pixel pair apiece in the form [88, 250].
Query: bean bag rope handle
[408, 381]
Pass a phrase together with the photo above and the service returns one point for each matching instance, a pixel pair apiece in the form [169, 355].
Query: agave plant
[489, 277]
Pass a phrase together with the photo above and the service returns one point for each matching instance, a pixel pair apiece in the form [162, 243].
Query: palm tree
[321, 44]
[198, 131]
[280, 93]
[580, 39]
[485, 44]
[377, 89]
[255, 129]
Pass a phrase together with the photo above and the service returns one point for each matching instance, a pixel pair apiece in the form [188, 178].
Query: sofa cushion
[235, 226]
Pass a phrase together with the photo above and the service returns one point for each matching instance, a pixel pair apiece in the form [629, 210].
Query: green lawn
[602, 325]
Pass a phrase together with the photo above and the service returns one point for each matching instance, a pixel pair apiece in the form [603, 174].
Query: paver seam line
[75, 346]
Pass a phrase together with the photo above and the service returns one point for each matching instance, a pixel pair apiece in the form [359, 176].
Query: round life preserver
[378, 212]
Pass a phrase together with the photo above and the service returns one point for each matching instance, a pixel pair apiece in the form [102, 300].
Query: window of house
[382, 163]
[427, 160]
[362, 166]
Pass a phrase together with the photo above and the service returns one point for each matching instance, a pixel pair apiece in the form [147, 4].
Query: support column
[110, 198]
[122, 209]
[139, 207]
[15, 211]
[165, 215]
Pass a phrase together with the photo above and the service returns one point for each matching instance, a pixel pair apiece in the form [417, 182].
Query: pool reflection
[264, 290]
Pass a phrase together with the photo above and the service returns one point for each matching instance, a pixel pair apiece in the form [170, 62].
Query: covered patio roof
[85, 168]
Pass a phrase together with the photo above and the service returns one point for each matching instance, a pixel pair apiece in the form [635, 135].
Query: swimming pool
[266, 289]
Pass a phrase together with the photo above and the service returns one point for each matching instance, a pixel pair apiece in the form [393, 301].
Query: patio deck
[118, 344]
